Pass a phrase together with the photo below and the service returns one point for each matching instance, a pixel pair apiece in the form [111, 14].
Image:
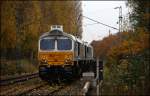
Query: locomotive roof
[61, 33]
[57, 33]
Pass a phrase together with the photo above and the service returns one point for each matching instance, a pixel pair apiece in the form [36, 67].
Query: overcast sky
[104, 12]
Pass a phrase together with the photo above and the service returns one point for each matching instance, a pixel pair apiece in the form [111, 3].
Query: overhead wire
[90, 24]
[100, 23]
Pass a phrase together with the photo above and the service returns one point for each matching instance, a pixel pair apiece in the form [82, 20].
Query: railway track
[30, 89]
[74, 88]
[55, 89]
[38, 87]
[46, 89]
[9, 81]
[22, 89]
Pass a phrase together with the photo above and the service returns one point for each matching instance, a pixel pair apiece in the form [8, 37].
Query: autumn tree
[126, 55]
[22, 22]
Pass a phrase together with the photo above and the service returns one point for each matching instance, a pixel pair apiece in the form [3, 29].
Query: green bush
[13, 67]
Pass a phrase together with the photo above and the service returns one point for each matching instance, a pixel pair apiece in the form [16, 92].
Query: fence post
[97, 77]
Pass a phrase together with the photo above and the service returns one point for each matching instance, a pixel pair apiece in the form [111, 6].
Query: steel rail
[12, 80]
[31, 89]
[57, 90]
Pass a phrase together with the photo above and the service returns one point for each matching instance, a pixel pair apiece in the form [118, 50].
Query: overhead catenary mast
[120, 18]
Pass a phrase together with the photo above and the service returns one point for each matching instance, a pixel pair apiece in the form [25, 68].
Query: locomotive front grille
[55, 58]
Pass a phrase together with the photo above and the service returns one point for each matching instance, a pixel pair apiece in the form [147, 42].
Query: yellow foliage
[22, 22]
[146, 16]
[8, 25]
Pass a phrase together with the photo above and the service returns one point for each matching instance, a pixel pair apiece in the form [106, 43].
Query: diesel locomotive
[62, 55]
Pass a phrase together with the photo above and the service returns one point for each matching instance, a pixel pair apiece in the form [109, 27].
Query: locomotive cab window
[64, 44]
[47, 44]
[89, 51]
[78, 49]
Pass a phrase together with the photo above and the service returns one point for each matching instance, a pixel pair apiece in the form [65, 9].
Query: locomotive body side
[84, 56]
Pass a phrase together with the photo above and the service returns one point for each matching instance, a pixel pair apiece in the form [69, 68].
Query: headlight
[68, 61]
[68, 57]
[44, 60]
